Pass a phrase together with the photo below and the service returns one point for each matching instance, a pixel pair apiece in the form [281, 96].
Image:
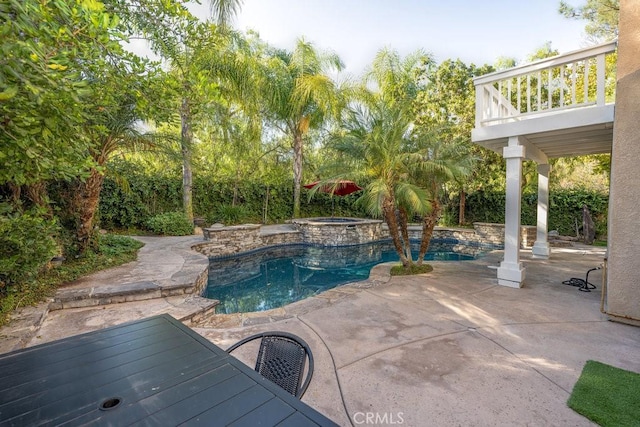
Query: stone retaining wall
[221, 241]
[340, 233]
[494, 233]
[229, 240]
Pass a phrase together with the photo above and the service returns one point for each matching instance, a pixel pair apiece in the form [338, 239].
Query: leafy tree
[61, 106]
[300, 95]
[434, 164]
[446, 110]
[48, 48]
[223, 11]
[185, 43]
[114, 127]
[378, 142]
[372, 146]
[235, 126]
[601, 15]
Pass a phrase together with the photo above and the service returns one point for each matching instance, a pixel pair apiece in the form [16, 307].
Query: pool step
[126, 292]
[191, 279]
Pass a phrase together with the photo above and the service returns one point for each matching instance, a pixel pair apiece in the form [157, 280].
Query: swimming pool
[273, 277]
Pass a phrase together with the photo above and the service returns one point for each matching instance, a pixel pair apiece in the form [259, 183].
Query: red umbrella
[340, 188]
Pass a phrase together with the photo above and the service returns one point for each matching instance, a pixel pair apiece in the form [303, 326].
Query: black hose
[583, 285]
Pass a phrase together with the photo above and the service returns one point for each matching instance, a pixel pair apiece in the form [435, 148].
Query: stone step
[59, 324]
[127, 292]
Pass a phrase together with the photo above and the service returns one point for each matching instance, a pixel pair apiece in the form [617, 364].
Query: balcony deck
[546, 103]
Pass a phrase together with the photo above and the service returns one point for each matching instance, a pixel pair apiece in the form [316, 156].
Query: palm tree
[114, 128]
[407, 168]
[300, 95]
[433, 164]
[223, 11]
[373, 145]
[378, 137]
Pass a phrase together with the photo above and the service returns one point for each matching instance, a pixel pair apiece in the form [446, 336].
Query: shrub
[113, 251]
[170, 224]
[230, 215]
[112, 245]
[27, 244]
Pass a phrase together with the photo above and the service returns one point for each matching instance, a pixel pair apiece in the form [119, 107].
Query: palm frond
[223, 11]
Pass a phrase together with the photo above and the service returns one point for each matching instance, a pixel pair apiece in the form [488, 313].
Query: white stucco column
[541, 246]
[511, 271]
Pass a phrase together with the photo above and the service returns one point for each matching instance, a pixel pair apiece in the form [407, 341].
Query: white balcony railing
[579, 79]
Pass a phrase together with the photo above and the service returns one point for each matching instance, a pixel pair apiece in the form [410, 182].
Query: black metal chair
[282, 358]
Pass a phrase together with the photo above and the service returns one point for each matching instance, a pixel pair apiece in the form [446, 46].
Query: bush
[112, 245]
[565, 209]
[149, 194]
[112, 251]
[170, 224]
[230, 215]
[27, 244]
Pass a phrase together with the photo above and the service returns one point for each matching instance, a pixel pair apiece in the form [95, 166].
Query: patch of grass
[400, 270]
[600, 243]
[113, 250]
[607, 395]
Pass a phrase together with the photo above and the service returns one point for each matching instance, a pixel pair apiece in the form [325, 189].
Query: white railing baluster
[550, 91]
[498, 102]
[573, 83]
[561, 83]
[600, 80]
[587, 70]
[539, 91]
[518, 91]
[528, 93]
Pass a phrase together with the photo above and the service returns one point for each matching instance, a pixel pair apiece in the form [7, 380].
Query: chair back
[282, 359]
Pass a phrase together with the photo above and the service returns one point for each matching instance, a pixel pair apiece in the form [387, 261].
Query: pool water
[274, 277]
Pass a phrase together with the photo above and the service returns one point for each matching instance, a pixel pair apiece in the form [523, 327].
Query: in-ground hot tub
[339, 231]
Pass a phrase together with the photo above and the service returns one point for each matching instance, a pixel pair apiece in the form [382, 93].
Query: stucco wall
[623, 281]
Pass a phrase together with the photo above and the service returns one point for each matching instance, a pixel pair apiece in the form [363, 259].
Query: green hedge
[145, 196]
[150, 195]
[27, 244]
[170, 224]
[565, 209]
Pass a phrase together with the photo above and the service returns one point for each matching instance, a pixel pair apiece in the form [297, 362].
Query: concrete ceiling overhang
[560, 134]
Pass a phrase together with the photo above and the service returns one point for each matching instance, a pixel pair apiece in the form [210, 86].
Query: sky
[475, 31]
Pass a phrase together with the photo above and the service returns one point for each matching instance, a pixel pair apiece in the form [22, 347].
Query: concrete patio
[447, 348]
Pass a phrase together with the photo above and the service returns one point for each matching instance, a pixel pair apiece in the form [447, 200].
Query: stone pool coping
[228, 241]
[167, 277]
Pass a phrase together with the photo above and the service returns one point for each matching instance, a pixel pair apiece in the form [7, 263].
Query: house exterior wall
[623, 272]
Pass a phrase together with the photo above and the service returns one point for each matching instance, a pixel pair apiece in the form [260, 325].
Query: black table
[154, 371]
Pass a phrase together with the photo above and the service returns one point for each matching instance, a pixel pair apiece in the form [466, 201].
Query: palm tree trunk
[297, 173]
[16, 192]
[404, 231]
[37, 193]
[463, 203]
[236, 184]
[87, 197]
[185, 146]
[388, 209]
[428, 224]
